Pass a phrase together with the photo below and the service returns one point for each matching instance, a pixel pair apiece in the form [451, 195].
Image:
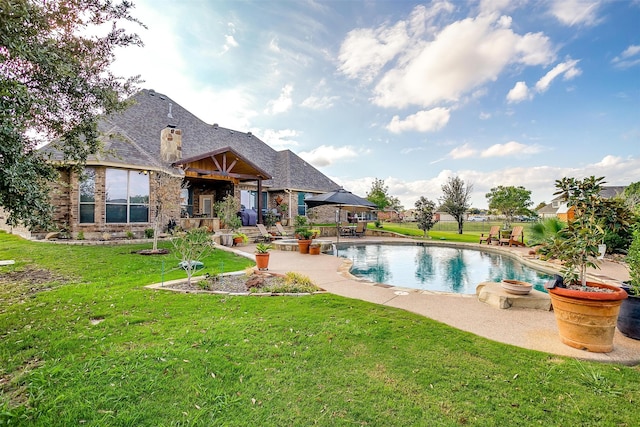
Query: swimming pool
[436, 268]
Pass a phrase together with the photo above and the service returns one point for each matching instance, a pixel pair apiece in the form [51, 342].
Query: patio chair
[361, 227]
[281, 231]
[515, 238]
[266, 236]
[493, 234]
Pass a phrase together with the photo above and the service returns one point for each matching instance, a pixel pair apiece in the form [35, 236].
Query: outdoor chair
[281, 231]
[492, 235]
[266, 236]
[361, 227]
[515, 238]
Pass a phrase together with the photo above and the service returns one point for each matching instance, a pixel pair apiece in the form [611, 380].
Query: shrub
[80, 235]
[129, 235]
[149, 233]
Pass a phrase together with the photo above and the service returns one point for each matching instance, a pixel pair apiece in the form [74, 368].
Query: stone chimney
[171, 144]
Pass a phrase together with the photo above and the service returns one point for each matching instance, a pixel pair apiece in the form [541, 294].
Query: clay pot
[262, 261]
[314, 250]
[303, 246]
[587, 320]
[516, 287]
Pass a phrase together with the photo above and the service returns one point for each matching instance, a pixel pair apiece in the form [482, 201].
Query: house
[159, 157]
[558, 207]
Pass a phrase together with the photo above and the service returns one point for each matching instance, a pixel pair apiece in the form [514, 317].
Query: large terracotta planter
[587, 320]
[262, 261]
[303, 246]
[629, 317]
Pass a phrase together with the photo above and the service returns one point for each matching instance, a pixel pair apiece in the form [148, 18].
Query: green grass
[98, 349]
[448, 230]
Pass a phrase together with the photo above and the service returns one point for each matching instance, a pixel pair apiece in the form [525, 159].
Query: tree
[54, 84]
[379, 194]
[632, 197]
[455, 200]
[425, 210]
[509, 201]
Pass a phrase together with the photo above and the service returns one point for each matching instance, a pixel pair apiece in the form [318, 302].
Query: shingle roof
[133, 139]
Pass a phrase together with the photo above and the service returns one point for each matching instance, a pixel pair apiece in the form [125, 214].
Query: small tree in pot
[586, 312]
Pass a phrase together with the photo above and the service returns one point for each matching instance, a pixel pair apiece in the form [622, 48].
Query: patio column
[259, 203]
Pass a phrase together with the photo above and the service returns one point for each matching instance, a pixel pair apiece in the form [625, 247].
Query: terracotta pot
[629, 317]
[262, 261]
[303, 246]
[237, 241]
[587, 320]
[314, 250]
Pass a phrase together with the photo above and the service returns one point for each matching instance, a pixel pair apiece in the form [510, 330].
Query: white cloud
[629, 58]
[520, 92]
[462, 152]
[484, 115]
[277, 139]
[274, 46]
[326, 155]
[365, 51]
[422, 121]
[574, 12]
[540, 180]
[319, 103]
[511, 148]
[463, 56]
[283, 103]
[568, 68]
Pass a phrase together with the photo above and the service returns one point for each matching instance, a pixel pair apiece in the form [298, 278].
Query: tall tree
[631, 197]
[425, 211]
[379, 194]
[54, 83]
[456, 199]
[510, 201]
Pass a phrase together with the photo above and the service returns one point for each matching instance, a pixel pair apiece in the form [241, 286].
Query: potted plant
[239, 238]
[629, 317]
[586, 312]
[314, 249]
[262, 255]
[304, 239]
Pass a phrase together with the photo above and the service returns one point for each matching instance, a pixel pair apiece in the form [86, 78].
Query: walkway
[532, 329]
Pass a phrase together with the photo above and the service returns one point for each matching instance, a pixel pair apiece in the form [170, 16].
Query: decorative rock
[493, 294]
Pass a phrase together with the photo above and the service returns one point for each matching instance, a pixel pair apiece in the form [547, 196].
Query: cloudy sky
[496, 92]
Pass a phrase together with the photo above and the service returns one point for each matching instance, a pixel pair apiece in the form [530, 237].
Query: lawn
[84, 343]
[449, 230]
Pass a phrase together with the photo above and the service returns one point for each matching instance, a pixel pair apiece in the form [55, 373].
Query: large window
[127, 196]
[302, 208]
[88, 195]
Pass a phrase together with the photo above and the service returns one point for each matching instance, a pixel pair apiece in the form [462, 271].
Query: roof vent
[152, 92]
[169, 115]
[215, 126]
[249, 133]
[231, 132]
[163, 97]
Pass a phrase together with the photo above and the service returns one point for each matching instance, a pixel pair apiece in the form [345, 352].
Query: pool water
[436, 268]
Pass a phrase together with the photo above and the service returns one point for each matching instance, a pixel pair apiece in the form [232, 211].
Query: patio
[532, 329]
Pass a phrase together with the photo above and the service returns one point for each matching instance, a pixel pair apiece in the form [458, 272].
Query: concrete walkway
[532, 329]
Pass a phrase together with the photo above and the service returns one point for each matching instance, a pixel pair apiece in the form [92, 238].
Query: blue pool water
[436, 268]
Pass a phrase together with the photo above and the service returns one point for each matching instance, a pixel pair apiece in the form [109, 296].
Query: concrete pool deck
[532, 329]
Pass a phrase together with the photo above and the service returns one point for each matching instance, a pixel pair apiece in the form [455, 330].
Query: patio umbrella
[340, 198]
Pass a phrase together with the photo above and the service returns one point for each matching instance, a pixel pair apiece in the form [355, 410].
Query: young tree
[54, 83]
[455, 200]
[509, 201]
[379, 194]
[192, 246]
[425, 210]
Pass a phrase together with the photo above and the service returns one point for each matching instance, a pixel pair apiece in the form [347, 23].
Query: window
[127, 196]
[302, 208]
[186, 203]
[87, 187]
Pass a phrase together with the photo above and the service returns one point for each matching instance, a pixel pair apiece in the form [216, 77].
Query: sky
[496, 92]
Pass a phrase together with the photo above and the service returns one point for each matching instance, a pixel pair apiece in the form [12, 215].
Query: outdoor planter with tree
[303, 233]
[586, 312]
